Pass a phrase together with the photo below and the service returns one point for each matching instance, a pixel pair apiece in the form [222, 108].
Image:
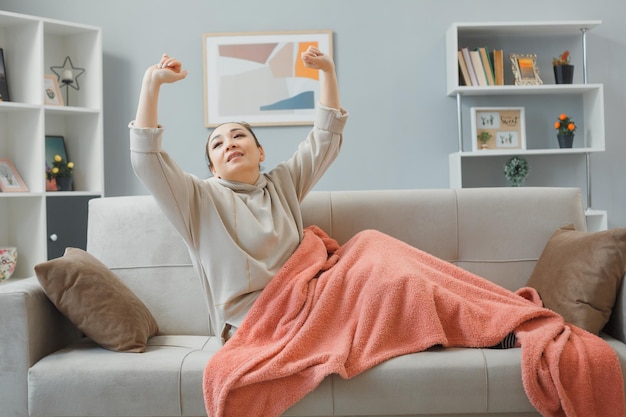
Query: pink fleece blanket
[345, 309]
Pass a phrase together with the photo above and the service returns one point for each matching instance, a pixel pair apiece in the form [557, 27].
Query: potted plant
[61, 171]
[565, 128]
[484, 137]
[563, 70]
[516, 171]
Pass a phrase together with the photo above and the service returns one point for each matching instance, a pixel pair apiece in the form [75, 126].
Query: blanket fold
[343, 310]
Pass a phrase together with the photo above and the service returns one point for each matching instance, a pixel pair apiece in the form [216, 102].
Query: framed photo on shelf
[52, 91]
[55, 145]
[498, 128]
[259, 77]
[4, 85]
[10, 180]
[525, 69]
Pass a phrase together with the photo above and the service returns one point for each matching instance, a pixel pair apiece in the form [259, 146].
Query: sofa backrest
[498, 233]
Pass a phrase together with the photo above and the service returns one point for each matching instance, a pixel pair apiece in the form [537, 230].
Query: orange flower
[564, 125]
[562, 59]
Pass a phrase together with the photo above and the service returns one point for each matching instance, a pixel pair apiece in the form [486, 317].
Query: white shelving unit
[31, 46]
[542, 103]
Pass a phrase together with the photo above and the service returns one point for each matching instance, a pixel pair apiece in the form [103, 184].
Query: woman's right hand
[168, 70]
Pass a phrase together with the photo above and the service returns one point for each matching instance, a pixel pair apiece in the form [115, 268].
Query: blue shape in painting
[303, 100]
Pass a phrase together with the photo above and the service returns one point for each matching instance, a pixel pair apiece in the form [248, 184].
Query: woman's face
[234, 153]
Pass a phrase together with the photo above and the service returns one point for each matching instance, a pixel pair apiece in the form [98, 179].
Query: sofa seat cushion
[85, 379]
[166, 380]
[454, 380]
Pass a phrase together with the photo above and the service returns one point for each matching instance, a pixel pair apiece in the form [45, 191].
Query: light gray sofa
[47, 369]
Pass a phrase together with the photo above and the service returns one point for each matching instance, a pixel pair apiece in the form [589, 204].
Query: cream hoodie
[238, 235]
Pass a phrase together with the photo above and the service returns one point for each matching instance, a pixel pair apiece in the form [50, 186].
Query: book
[470, 67]
[498, 66]
[465, 77]
[477, 64]
[487, 66]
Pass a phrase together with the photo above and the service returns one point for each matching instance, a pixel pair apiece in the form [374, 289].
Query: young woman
[240, 225]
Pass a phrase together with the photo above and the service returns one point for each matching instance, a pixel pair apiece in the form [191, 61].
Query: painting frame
[506, 127]
[10, 179]
[52, 91]
[55, 145]
[525, 69]
[4, 83]
[259, 78]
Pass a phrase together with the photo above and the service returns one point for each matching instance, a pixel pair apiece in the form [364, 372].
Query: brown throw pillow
[579, 273]
[92, 297]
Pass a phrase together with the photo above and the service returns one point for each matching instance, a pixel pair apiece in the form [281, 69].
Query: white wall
[391, 67]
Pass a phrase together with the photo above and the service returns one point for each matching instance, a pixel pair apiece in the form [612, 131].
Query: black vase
[563, 74]
[64, 183]
[565, 141]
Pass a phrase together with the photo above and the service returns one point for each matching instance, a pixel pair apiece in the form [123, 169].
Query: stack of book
[479, 67]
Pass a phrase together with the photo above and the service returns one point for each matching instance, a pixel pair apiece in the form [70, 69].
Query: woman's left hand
[316, 59]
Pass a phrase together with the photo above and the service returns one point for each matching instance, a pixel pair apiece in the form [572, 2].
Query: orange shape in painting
[301, 70]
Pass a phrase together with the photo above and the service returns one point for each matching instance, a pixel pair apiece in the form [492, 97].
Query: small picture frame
[51, 90]
[4, 85]
[10, 180]
[55, 145]
[498, 128]
[525, 69]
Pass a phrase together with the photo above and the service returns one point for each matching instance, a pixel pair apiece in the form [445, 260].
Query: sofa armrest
[30, 328]
[616, 326]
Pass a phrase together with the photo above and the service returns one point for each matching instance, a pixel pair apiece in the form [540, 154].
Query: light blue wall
[391, 67]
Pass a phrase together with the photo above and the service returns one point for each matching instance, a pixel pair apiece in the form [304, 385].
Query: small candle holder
[67, 75]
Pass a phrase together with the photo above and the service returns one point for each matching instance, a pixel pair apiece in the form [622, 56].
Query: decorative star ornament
[68, 74]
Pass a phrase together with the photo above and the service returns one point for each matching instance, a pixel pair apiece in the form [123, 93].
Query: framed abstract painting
[259, 77]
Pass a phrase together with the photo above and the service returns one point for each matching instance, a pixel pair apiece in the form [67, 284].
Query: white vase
[8, 261]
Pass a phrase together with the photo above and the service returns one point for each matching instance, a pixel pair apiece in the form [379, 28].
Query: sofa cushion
[97, 301]
[579, 273]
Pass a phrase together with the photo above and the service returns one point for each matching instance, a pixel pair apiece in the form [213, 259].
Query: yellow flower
[60, 168]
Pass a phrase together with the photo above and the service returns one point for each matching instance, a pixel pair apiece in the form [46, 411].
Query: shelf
[521, 152]
[546, 39]
[31, 46]
[62, 110]
[20, 195]
[55, 194]
[543, 103]
[521, 90]
[10, 106]
[596, 220]
[525, 28]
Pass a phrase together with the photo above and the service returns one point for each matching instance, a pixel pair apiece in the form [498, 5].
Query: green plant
[484, 136]
[562, 59]
[516, 170]
[565, 125]
[60, 168]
